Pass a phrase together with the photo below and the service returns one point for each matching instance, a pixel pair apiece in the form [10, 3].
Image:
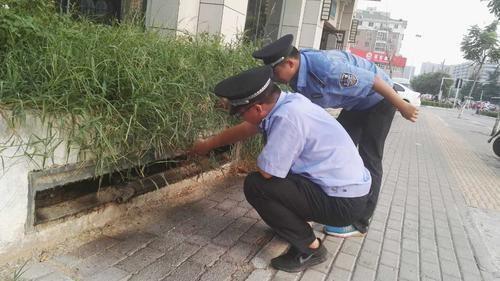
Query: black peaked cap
[276, 51]
[240, 89]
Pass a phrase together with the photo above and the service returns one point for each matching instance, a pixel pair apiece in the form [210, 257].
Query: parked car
[407, 94]
[427, 97]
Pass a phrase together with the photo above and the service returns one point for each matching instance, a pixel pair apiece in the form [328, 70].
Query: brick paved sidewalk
[420, 229]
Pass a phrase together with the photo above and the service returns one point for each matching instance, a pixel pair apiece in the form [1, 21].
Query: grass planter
[117, 91]
[76, 92]
[437, 104]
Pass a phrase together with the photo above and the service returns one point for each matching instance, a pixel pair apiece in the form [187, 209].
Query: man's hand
[264, 174]
[230, 135]
[409, 112]
[201, 147]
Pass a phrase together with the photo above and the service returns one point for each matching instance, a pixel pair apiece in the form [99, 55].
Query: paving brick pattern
[417, 233]
[479, 182]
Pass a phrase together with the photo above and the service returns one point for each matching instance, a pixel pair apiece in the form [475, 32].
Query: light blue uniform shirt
[338, 79]
[304, 139]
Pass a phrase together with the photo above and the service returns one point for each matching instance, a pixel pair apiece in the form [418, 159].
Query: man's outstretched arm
[408, 111]
[230, 135]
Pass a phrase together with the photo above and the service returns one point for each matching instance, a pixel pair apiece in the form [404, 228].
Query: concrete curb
[89, 225]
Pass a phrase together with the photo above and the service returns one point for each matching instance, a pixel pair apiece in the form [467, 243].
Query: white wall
[188, 16]
[311, 29]
[291, 19]
[14, 172]
[210, 17]
[233, 24]
[162, 15]
[226, 18]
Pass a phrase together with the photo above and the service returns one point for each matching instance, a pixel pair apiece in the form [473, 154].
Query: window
[333, 9]
[380, 47]
[370, 24]
[103, 11]
[396, 26]
[398, 88]
[367, 44]
[382, 36]
[262, 20]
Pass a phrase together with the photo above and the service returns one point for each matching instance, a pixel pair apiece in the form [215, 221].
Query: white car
[407, 94]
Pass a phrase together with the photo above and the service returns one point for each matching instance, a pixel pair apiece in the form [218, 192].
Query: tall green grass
[117, 92]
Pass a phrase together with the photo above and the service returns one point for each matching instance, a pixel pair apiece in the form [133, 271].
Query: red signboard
[380, 57]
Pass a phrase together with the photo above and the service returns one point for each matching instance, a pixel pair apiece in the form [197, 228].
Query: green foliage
[466, 90]
[491, 88]
[488, 113]
[116, 91]
[480, 45]
[437, 104]
[16, 27]
[429, 83]
[494, 6]
[19, 271]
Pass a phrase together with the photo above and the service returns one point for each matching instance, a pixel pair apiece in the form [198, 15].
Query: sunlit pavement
[435, 220]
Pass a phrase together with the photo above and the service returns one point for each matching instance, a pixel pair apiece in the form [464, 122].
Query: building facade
[408, 72]
[378, 32]
[467, 70]
[319, 24]
[429, 67]
[379, 38]
[176, 17]
[464, 70]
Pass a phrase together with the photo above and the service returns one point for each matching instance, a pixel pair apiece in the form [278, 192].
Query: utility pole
[441, 89]
[456, 96]
[458, 85]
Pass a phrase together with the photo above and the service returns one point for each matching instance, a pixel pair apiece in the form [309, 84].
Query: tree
[491, 88]
[478, 45]
[428, 83]
[494, 6]
[466, 90]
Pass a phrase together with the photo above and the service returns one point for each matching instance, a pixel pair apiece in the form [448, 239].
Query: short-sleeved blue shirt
[304, 140]
[338, 79]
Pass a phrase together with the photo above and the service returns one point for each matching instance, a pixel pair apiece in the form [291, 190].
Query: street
[474, 128]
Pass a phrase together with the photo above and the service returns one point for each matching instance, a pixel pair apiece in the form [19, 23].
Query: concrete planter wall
[18, 159]
[17, 234]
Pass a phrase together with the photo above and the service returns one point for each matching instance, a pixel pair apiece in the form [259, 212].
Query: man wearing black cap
[339, 79]
[308, 170]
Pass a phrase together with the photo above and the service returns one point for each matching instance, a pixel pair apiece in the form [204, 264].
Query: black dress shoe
[295, 261]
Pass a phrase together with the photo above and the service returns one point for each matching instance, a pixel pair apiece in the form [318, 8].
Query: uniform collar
[300, 79]
[279, 102]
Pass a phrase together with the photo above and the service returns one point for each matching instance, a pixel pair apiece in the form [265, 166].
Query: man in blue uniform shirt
[339, 79]
[308, 170]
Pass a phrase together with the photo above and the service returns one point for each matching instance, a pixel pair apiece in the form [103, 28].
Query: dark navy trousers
[286, 205]
[368, 130]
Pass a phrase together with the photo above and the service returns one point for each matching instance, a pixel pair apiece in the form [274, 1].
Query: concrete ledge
[84, 227]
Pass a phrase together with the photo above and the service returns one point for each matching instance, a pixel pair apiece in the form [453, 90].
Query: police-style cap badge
[275, 52]
[241, 89]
